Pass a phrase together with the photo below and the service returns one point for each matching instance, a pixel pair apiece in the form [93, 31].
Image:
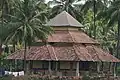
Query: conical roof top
[64, 19]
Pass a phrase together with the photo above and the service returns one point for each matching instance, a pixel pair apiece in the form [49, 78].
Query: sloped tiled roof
[70, 36]
[70, 52]
[64, 19]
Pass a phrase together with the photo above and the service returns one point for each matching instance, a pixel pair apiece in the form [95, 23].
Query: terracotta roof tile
[73, 36]
[70, 52]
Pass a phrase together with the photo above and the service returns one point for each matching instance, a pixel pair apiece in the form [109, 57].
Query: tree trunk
[118, 41]
[0, 54]
[1, 31]
[25, 50]
[26, 14]
[0, 48]
[94, 33]
[13, 47]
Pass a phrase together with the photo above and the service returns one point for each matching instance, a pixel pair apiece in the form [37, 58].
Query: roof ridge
[96, 52]
[76, 52]
[71, 36]
[67, 18]
[80, 52]
[47, 45]
[54, 53]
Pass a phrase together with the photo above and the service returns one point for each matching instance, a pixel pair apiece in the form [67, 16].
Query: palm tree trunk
[118, 41]
[1, 36]
[0, 48]
[1, 28]
[14, 46]
[94, 33]
[25, 50]
[25, 44]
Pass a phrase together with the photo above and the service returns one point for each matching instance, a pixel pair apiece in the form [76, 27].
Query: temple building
[67, 52]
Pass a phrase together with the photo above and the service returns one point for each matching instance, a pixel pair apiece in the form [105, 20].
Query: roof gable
[64, 19]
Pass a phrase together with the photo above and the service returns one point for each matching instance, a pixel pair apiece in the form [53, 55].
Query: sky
[48, 0]
[81, 1]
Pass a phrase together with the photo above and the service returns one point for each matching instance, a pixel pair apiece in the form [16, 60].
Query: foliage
[26, 24]
[106, 37]
[65, 5]
[46, 77]
[22, 21]
[7, 77]
[89, 4]
[86, 76]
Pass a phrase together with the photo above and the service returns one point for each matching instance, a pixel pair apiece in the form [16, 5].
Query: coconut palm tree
[26, 25]
[96, 6]
[112, 15]
[65, 5]
[5, 8]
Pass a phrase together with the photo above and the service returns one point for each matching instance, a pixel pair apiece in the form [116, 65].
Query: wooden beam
[77, 69]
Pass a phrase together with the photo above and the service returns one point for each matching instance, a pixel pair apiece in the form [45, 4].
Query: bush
[46, 77]
[6, 77]
[86, 77]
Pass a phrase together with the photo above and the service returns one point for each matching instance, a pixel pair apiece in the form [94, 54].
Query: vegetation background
[21, 21]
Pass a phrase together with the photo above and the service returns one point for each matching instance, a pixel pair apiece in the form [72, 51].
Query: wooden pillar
[56, 68]
[98, 67]
[10, 65]
[71, 68]
[77, 69]
[114, 69]
[31, 66]
[28, 67]
[15, 64]
[49, 68]
[102, 66]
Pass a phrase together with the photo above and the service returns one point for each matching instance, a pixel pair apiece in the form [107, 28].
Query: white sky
[82, 1]
[48, 0]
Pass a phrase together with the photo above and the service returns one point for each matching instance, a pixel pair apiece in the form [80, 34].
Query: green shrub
[46, 77]
[86, 77]
[6, 77]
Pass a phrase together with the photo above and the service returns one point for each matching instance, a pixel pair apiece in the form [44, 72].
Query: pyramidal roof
[64, 19]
